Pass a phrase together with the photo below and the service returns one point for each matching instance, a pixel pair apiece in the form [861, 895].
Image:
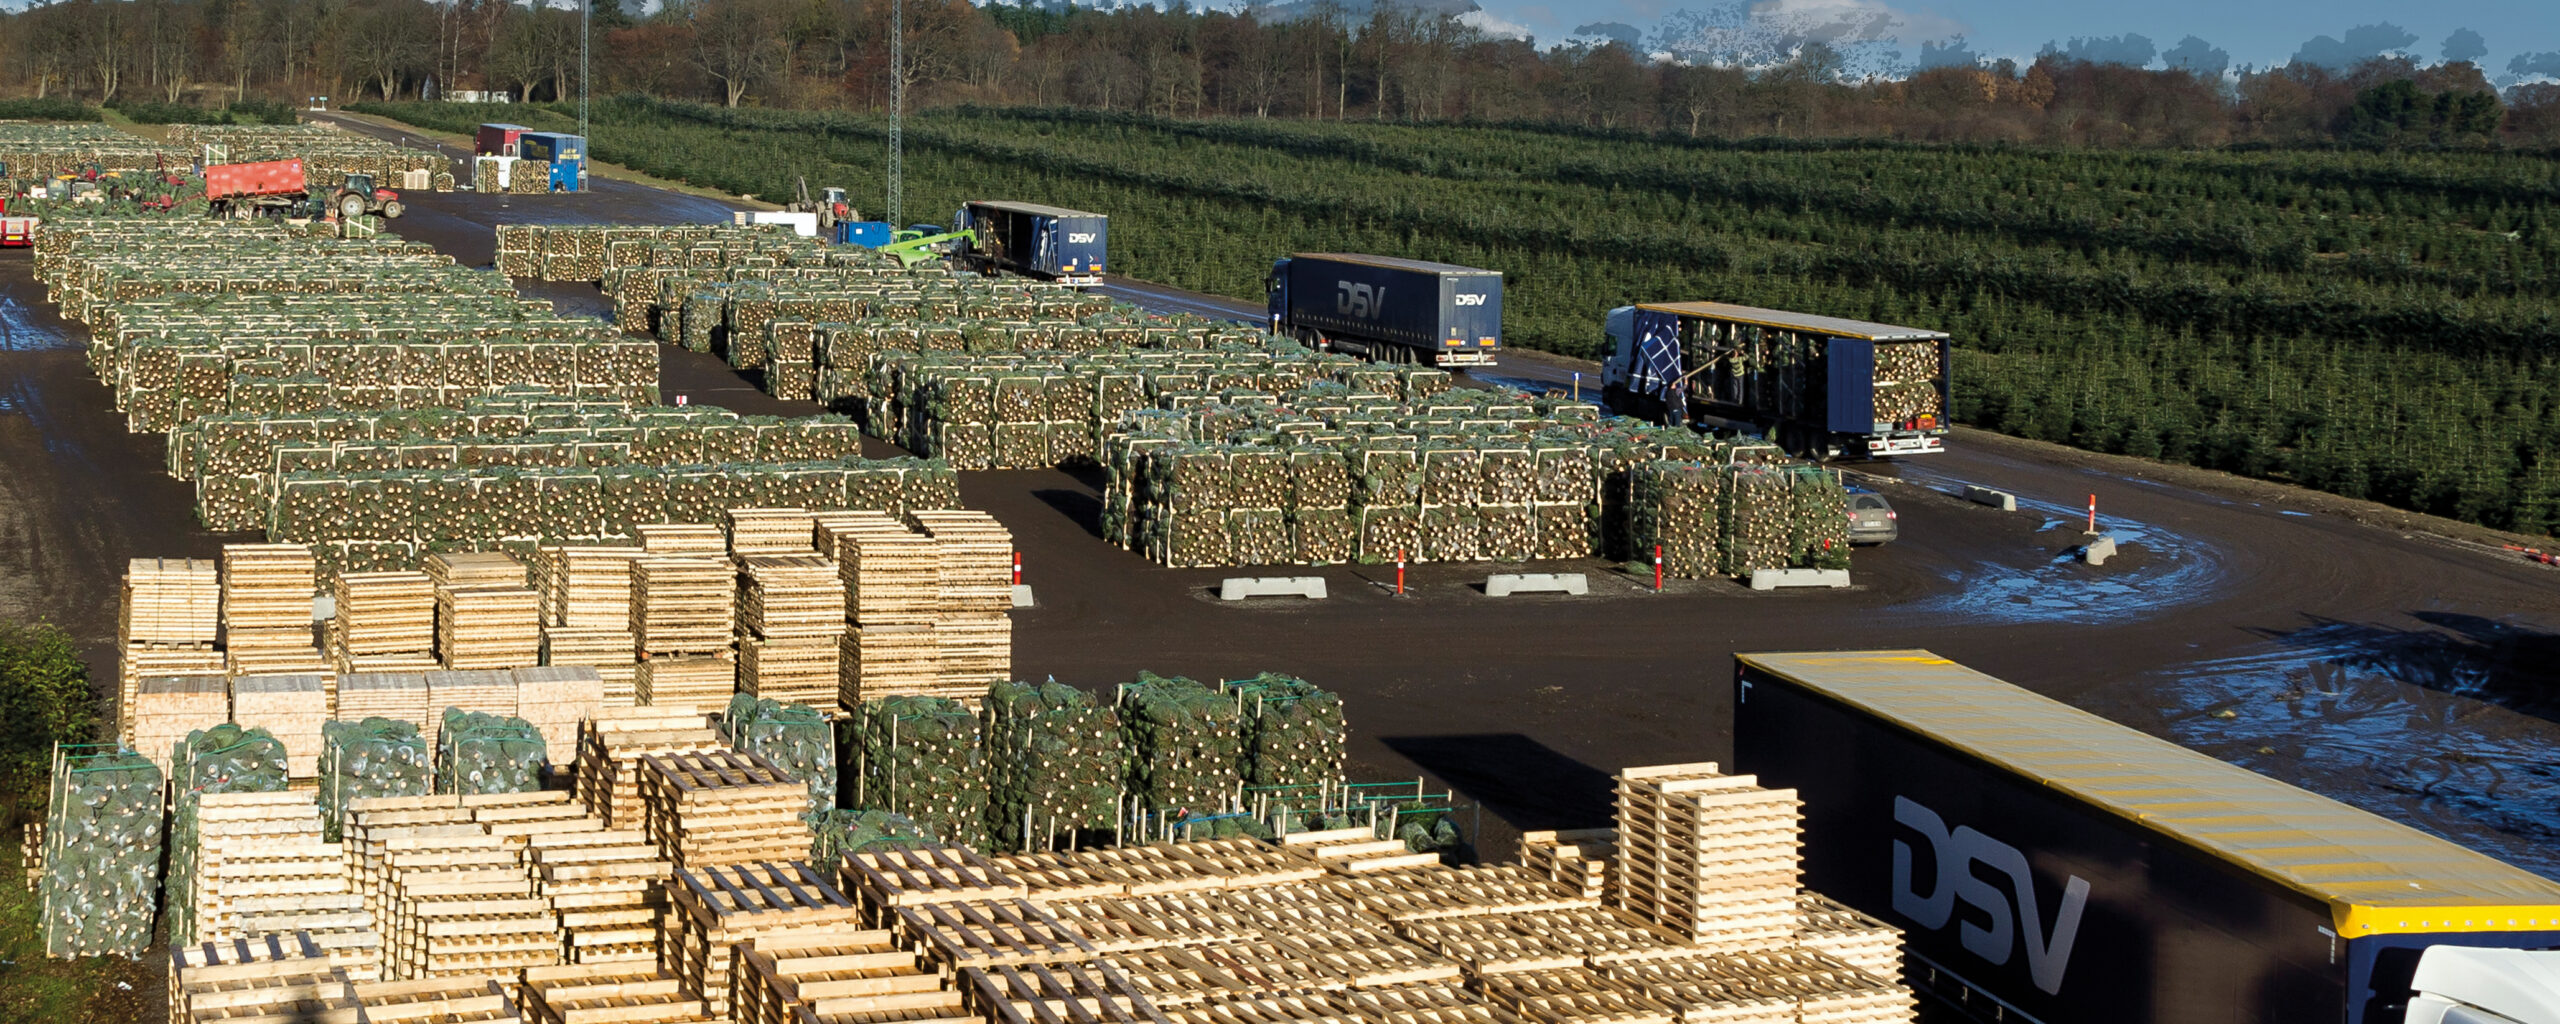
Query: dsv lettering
[1955, 852]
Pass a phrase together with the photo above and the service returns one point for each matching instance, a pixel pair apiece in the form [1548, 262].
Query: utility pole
[586, 14]
[897, 113]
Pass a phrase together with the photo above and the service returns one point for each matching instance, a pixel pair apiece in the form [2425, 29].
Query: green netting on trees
[374, 757]
[1186, 745]
[1293, 732]
[920, 758]
[1056, 764]
[223, 759]
[795, 737]
[834, 833]
[477, 752]
[102, 844]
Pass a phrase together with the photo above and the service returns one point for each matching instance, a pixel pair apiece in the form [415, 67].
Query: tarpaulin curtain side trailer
[2068, 869]
[1817, 383]
[1420, 311]
[1035, 240]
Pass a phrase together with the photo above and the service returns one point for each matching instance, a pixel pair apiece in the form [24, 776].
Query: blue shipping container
[1040, 241]
[1439, 307]
[869, 234]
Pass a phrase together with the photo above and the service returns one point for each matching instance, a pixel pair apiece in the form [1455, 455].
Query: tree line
[1395, 64]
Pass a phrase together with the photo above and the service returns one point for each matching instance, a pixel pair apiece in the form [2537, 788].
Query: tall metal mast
[586, 13]
[897, 113]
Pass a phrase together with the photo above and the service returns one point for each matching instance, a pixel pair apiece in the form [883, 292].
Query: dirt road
[2286, 631]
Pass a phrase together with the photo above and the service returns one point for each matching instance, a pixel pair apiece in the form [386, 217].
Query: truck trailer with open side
[1045, 242]
[2050, 866]
[1818, 386]
[1388, 308]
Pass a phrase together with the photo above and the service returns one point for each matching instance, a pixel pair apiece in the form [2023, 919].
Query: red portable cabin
[498, 139]
[243, 181]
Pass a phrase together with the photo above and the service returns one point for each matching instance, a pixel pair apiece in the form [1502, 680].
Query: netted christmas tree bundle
[102, 844]
[479, 753]
[223, 759]
[371, 758]
[1293, 732]
[834, 833]
[1680, 507]
[1057, 762]
[1818, 525]
[1186, 745]
[1759, 520]
[795, 737]
[921, 758]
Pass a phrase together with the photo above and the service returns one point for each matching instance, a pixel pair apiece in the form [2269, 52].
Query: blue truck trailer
[1817, 386]
[567, 155]
[1387, 308]
[1032, 240]
[2049, 866]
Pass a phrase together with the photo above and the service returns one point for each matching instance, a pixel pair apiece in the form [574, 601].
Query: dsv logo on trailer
[1079, 238]
[1955, 853]
[1470, 300]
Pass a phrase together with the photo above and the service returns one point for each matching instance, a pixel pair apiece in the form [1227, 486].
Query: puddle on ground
[2448, 729]
[2169, 570]
[25, 329]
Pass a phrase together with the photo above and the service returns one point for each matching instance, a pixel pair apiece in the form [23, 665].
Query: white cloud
[1850, 21]
[1494, 26]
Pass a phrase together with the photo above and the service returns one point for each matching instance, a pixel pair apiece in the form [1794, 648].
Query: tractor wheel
[392, 210]
[350, 207]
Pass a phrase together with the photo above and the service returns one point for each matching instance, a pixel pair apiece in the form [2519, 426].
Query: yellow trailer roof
[2378, 876]
[1834, 326]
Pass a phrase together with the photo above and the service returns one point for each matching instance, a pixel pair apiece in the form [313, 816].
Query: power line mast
[586, 14]
[897, 113]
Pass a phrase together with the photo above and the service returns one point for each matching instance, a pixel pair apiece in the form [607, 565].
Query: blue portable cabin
[869, 234]
[567, 155]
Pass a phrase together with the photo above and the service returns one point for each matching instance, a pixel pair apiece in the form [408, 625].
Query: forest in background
[1390, 64]
[2373, 324]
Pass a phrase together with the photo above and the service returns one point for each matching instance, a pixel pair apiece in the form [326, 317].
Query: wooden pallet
[854, 972]
[975, 559]
[612, 652]
[1830, 926]
[476, 569]
[989, 933]
[1572, 996]
[974, 647]
[1487, 944]
[1422, 1004]
[555, 700]
[488, 627]
[1278, 1007]
[682, 605]
[892, 574]
[793, 670]
[717, 907]
[609, 889]
[925, 875]
[899, 661]
[1713, 857]
[465, 1000]
[585, 588]
[169, 601]
[609, 994]
[1196, 918]
[791, 596]
[723, 807]
[611, 746]
[272, 978]
[756, 532]
[1098, 925]
[137, 662]
[266, 594]
[1066, 993]
[1416, 894]
[292, 708]
[1579, 858]
[382, 613]
[1778, 985]
[401, 696]
[1355, 851]
[682, 539]
[700, 683]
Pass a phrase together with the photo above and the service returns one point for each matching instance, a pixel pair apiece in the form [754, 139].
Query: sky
[2257, 33]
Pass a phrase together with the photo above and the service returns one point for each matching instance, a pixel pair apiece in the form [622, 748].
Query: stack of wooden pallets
[682, 540]
[464, 905]
[611, 747]
[723, 807]
[791, 618]
[488, 627]
[974, 625]
[609, 994]
[377, 826]
[611, 652]
[584, 587]
[271, 978]
[609, 889]
[384, 622]
[1830, 926]
[1770, 985]
[475, 569]
[137, 662]
[1574, 995]
[267, 592]
[165, 626]
[1355, 851]
[261, 868]
[873, 974]
[682, 605]
[555, 700]
[462, 1000]
[752, 532]
[292, 708]
[1712, 857]
[720, 906]
[401, 696]
[164, 709]
[893, 594]
[698, 683]
[1577, 858]
[1101, 993]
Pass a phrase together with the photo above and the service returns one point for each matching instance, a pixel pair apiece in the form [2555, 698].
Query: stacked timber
[682, 605]
[137, 662]
[250, 880]
[382, 619]
[1772, 984]
[865, 975]
[175, 601]
[555, 700]
[973, 626]
[610, 750]
[696, 683]
[273, 977]
[197, 913]
[1578, 859]
[399, 696]
[266, 608]
[463, 905]
[754, 532]
[584, 587]
[893, 594]
[791, 616]
[377, 826]
[164, 709]
[723, 807]
[609, 890]
[1712, 857]
[488, 627]
[611, 652]
[720, 906]
[620, 993]
[682, 540]
[465, 570]
[290, 708]
[461, 1000]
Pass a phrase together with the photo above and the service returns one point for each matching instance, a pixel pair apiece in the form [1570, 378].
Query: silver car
[1871, 518]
